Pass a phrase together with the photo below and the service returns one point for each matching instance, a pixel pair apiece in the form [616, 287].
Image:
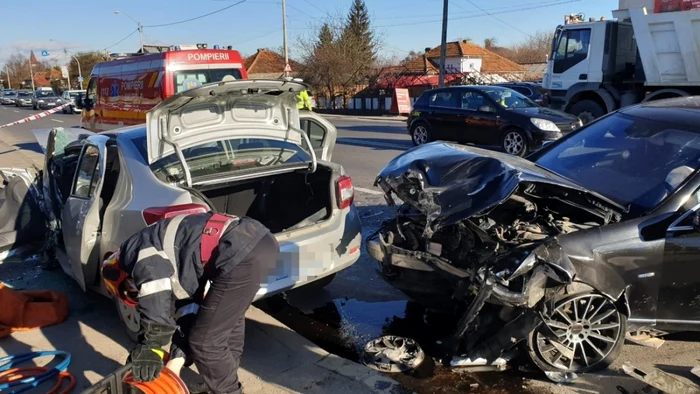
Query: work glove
[146, 363]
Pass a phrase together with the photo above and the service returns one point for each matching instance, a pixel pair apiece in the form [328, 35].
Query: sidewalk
[275, 360]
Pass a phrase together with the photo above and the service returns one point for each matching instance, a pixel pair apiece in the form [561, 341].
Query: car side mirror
[486, 108]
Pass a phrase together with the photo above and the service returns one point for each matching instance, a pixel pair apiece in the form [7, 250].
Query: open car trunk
[281, 202]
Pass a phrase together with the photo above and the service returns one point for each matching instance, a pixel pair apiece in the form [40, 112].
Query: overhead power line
[497, 18]
[197, 17]
[122, 40]
[256, 37]
[515, 9]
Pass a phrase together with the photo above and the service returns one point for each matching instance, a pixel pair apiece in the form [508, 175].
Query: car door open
[81, 220]
[321, 133]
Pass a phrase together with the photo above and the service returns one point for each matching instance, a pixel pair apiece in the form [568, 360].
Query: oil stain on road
[344, 326]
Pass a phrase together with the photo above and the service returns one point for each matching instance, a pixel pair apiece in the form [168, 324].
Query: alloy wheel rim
[513, 143]
[130, 316]
[588, 325]
[420, 135]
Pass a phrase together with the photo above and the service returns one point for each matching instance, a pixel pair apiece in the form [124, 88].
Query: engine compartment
[520, 219]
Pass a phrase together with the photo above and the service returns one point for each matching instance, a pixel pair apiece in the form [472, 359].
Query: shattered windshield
[630, 160]
[226, 156]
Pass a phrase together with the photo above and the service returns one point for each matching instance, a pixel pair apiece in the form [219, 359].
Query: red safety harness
[213, 230]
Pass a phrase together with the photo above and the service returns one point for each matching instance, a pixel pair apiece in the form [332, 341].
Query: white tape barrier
[36, 116]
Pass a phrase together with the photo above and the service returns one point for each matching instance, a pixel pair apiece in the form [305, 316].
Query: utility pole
[31, 72]
[141, 36]
[443, 44]
[284, 28]
[7, 73]
[65, 52]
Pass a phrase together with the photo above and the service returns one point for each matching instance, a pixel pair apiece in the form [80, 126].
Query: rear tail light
[346, 192]
[152, 215]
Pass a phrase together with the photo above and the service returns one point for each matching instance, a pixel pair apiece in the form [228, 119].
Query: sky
[401, 25]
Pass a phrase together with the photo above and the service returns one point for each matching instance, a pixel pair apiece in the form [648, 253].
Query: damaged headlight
[544, 124]
[525, 266]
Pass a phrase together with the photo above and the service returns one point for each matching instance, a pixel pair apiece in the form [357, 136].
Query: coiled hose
[12, 376]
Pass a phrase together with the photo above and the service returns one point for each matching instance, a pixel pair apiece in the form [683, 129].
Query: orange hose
[22, 373]
[167, 383]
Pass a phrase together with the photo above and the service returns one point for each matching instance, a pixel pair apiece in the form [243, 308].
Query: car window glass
[92, 89]
[86, 181]
[442, 99]
[523, 91]
[633, 161]
[232, 155]
[472, 101]
[314, 131]
[571, 49]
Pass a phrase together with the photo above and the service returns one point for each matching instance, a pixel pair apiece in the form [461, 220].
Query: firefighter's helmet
[118, 282]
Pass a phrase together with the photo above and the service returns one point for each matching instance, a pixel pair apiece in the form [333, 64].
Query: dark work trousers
[217, 336]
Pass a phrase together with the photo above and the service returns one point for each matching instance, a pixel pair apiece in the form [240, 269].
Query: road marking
[372, 144]
[368, 191]
[15, 111]
[56, 120]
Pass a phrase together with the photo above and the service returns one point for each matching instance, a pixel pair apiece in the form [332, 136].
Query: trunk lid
[245, 109]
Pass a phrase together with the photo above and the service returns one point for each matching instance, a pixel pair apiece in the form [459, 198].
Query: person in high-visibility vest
[304, 101]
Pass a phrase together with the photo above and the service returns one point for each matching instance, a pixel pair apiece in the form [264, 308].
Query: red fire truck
[120, 92]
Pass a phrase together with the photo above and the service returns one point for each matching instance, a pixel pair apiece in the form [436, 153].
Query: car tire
[321, 283]
[420, 133]
[587, 110]
[515, 142]
[131, 319]
[579, 332]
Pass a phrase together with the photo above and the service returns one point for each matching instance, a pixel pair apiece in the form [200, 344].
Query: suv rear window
[226, 156]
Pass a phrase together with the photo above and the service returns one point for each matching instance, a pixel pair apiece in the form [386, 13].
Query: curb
[375, 381]
[366, 118]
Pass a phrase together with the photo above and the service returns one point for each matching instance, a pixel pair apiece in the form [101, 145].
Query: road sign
[64, 71]
[44, 53]
[80, 79]
[287, 68]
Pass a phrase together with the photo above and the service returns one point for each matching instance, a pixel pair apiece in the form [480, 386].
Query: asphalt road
[358, 305]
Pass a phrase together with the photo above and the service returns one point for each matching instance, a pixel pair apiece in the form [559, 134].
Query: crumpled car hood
[449, 182]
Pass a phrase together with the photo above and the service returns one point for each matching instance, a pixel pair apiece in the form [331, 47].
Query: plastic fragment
[561, 377]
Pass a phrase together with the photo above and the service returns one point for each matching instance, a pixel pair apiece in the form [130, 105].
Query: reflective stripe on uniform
[155, 286]
[149, 252]
[169, 249]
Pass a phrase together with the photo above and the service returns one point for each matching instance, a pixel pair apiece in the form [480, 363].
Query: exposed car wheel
[130, 317]
[515, 142]
[589, 325]
[587, 110]
[321, 283]
[420, 134]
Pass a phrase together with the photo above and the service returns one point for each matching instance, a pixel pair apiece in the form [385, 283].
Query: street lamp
[80, 73]
[137, 23]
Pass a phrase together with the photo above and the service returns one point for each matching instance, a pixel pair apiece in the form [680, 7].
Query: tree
[359, 42]
[17, 65]
[533, 49]
[87, 61]
[490, 43]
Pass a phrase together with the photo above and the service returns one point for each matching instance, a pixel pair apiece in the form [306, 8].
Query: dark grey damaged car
[594, 235]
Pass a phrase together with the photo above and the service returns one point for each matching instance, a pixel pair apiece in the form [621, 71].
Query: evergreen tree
[358, 39]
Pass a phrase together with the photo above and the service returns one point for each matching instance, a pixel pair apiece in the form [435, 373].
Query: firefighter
[210, 261]
[304, 101]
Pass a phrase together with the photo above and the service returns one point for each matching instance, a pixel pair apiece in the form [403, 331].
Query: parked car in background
[608, 215]
[24, 98]
[254, 160]
[531, 90]
[70, 96]
[486, 116]
[8, 96]
[44, 99]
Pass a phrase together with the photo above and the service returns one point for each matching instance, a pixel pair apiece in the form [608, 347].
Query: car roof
[683, 111]
[129, 132]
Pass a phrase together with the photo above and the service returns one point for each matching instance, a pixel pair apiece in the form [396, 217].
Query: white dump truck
[647, 53]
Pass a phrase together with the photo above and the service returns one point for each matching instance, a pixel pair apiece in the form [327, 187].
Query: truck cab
[589, 65]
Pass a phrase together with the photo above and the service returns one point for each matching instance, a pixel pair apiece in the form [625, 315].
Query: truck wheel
[130, 317]
[589, 325]
[587, 110]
